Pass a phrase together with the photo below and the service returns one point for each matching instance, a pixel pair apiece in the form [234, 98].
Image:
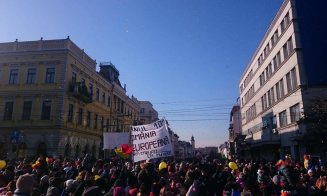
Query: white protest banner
[111, 140]
[151, 141]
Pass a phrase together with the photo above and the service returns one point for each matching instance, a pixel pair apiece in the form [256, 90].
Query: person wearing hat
[24, 185]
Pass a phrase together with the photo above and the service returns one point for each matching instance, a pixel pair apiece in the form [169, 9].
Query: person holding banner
[151, 141]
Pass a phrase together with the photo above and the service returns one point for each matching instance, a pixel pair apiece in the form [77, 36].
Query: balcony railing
[80, 92]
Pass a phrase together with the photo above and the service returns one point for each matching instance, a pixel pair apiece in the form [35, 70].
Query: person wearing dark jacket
[147, 176]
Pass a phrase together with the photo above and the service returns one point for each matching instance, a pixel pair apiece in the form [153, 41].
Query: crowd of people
[120, 177]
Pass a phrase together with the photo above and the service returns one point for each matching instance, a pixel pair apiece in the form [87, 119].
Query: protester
[24, 185]
[120, 177]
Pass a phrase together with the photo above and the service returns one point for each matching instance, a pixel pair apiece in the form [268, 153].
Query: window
[266, 50]
[294, 78]
[142, 110]
[27, 110]
[264, 102]
[260, 60]
[107, 127]
[13, 78]
[282, 26]
[122, 106]
[9, 106]
[295, 113]
[288, 48]
[274, 38]
[118, 107]
[262, 78]
[280, 89]
[282, 119]
[249, 94]
[74, 77]
[271, 96]
[268, 71]
[70, 113]
[104, 98]
[82, 83]
[95, 121]
[276, 61]
[80, 116]
[91, 90]
[46, 110]
[291, 80]
[31, 76]
[251, 113]
[287, 20]
[286, 52]
[102, 123]
[88, 119]
[97, 94]
[50, 75]
[108, 101]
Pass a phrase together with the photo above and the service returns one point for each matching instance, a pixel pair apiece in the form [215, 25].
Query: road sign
[14, 138]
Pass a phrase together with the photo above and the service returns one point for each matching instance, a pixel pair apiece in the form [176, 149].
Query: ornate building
[54, 102]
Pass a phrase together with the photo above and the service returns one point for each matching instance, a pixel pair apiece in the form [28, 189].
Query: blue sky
[185, 56]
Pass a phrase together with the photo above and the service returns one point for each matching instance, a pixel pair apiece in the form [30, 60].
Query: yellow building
[54, 102]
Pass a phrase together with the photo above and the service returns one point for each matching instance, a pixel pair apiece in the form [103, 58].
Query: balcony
[80, 92]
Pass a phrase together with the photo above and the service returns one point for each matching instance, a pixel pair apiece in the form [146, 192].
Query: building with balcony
[286, 73]
[54, 102]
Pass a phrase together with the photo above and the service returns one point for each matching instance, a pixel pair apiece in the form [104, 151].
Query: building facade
[147, 113]
[286, 73]
[235, 138]
[54, 102]
[185, 150]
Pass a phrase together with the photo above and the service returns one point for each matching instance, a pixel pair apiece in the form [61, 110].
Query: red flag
[126, 149]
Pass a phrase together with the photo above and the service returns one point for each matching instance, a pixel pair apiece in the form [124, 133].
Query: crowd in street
[120, 177]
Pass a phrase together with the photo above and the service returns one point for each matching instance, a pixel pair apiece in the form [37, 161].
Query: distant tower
[193, 142]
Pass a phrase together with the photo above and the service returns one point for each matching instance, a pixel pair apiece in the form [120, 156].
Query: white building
[286, 72]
